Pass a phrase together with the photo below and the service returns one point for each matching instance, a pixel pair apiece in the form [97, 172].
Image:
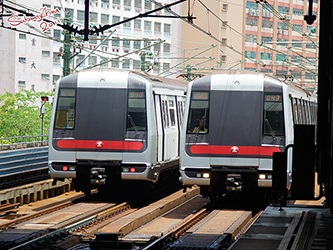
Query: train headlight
[262, 176]
[205, 175]
[125, 169]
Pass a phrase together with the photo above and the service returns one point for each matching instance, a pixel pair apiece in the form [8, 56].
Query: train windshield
[273, 115]
[65, 113]
[136, 112]
[198, 113]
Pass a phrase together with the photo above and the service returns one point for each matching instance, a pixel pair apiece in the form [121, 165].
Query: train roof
[294, 88]
[155, 80]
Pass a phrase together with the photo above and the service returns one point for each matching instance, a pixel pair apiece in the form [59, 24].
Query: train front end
[234, 124]
[99, 129]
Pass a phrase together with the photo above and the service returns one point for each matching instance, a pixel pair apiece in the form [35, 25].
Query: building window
[105, 19]
[115, 64]
[57, 34]
[136, 64]
[137, 24]
[298, 12]
[56, 58]
[157, 47]
[104, 59]
[55, 78]
[167, 28]
[69, 12]
[250, 54]
[46, 53]
[22, 60]
[224, 41]
[115, 19]
[147, 5]
[127, 3]
[115, 42]
[93, 39]
[126, 64]
[166, 47]
[267, 24]
[138, 4]
[137, 44]
[251, 38]
[166, 66]
[93, 17]
[45, 76]
[21, 83]
[126, 44]
[266, 56]
[57, 15]
[116, 2]
[92, 60]
[224, 24]
[147, 43]
[79, 60]
[283, 10]
[127, 24]
[80, 16]
[223, 58]
[266, 39]
[251, 21]
[147, 25]
[106, 42]
[224, 7]
[23, 36]
[157, 27]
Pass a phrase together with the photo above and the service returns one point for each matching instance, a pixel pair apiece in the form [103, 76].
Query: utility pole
[67, 47]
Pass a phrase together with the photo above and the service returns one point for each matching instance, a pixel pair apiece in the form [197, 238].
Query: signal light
[44, 98]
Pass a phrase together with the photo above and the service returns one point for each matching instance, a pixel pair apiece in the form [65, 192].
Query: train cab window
[273, 115]
[198, 113]
[65, 113]
[136, 111]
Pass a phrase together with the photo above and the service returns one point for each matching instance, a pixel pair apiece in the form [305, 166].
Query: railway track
[167, 222]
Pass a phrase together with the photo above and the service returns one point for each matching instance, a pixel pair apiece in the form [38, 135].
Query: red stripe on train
[85, 144]
[233, 150]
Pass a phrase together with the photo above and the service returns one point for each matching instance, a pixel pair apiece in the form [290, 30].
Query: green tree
[20, 114]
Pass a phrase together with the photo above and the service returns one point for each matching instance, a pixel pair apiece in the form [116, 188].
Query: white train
[233, 123]
[110, 125]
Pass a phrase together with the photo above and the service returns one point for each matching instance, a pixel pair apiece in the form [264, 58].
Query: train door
[170, 126]
[159, 127]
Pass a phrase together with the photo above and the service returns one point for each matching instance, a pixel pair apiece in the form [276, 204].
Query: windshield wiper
[270, 128]
[133, 123]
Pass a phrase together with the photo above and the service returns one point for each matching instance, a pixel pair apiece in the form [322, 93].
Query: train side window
[198, 121]
[65, 114]
[294, 110]
[163, 114]
[167, 114]
[299, 110]
[172, 113]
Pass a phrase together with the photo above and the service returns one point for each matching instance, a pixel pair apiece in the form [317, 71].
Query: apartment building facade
[32, 57]
[270, 37]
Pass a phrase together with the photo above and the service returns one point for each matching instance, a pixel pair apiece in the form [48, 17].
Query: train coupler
[98, 176]
[234, 183]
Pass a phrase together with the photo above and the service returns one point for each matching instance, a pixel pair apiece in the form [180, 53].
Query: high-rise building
[264, 36]
[32, 55]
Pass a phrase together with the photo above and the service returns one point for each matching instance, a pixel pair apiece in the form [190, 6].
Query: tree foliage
[20, 114]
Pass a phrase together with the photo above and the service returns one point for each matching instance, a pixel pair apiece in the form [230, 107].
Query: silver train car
[112, 125]
[233, 123]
